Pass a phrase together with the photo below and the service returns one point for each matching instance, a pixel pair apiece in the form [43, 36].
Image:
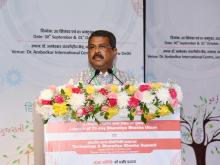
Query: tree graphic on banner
[23, 151]
[202, 129]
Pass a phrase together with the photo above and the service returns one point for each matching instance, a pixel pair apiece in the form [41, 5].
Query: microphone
[110, 71]
[96, 73]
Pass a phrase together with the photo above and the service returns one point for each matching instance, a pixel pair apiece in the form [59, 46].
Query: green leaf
[21, 152]
[97, 121]
[156, 102]
[130, 116]
[141, 105]
[145, 108]
[62, 92]
[102, 113]
[97, 108]
[143, 119]
[201, 98]
[45, 121]
[170, 108]
[29, 146]
[106, 115]
[26, 126]
[15, 161]
[31, 130]
[127, 86]
[183, 150]
[91, 102]
[73, 115]
[13, 136]
[80, 85]
[87, 117]
[181, 108]
[18, 147]
[4, 156]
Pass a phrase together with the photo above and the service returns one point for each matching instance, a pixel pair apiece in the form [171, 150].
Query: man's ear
[115, 50]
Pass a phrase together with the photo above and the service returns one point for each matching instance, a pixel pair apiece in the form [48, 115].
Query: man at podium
[102, 53]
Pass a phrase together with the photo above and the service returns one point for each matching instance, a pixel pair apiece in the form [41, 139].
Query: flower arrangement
[83, 102]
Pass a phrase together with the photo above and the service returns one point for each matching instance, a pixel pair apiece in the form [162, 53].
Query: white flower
[99, 99]
[179, 92]
[46, 94]
[123, 100]
[97, 88]
[147, 97]
[163, 95]
[152, 108]
[59, 88]
[77, 100]
[46, 111]
[70, 81]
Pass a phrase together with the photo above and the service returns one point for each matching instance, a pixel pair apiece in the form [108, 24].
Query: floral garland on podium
[83, 102]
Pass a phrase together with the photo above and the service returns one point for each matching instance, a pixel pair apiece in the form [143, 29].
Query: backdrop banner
[183, 44]
[44, 43]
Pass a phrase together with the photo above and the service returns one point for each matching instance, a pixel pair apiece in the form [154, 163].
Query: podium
[118, 141]
[73, 136]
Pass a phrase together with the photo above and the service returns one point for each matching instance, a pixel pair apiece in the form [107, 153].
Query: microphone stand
[110, 71]
[96, 73]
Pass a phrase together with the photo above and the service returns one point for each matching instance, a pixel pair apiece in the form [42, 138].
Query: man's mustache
[98, 55]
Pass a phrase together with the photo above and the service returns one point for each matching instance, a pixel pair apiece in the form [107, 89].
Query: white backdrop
[43, 43]
[182, 44]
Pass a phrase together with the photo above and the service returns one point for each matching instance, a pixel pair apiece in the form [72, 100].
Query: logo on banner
[28, 106]
[11, 78]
